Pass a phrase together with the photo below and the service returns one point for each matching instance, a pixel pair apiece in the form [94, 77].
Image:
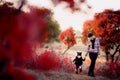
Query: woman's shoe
[92, 75]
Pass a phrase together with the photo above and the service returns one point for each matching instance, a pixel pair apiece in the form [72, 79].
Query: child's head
[79, 53]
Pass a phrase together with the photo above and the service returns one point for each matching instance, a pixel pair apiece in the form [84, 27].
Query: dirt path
[54, 75]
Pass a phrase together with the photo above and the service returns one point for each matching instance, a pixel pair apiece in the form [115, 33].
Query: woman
[93, 50]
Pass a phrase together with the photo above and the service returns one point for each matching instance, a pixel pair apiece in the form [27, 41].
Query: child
[78, 62]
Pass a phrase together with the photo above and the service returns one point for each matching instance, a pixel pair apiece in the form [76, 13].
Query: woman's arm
[88, 46]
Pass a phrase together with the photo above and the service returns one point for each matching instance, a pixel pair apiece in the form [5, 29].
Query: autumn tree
[54, 29]
[106, 25]
[14, 46]
[68, 38]
[20, 30]
[52, 26]
[86, 29]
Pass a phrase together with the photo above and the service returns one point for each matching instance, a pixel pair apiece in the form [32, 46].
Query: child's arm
[74, 60]
[88, 46]
[83, 59]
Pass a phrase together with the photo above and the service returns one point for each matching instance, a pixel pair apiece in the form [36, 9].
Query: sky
[66, 18]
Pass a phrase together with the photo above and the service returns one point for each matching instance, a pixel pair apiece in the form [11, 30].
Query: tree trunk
[21, 5]
[107, 55]
[66, 50]
[116, 50]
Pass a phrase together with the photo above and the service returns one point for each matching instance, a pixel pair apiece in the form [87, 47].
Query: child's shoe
[80, 70]
[76, 72]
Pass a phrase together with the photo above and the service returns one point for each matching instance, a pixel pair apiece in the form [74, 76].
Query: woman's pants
[93, 57]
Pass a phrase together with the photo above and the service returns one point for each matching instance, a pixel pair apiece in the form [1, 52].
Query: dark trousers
[93, 57]
[78, 66]
[78, 69]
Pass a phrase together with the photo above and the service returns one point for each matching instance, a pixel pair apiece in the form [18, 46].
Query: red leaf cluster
[72, 4]
[68, 37]
[19, 31]
[50, 60]
[110, 69]
[86, 29]
[16, 74]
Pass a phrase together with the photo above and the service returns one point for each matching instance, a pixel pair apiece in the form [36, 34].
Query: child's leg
[80, 68]
[76, 69]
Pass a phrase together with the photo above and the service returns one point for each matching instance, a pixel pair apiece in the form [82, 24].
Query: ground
[54, 75]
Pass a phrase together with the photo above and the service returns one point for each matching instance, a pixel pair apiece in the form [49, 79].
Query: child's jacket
[78, 61]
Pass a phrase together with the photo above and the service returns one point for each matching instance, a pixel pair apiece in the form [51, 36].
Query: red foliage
[72, 4]
[18, 33]
[86, 29]
[108, 28]
[68, 37]
[110, 69]
[82, 1]
[16, 74]
[49, 60]
[37, 23]
[113, 71]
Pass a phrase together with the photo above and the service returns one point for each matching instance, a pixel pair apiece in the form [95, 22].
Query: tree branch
[116, 50]
[66, 50]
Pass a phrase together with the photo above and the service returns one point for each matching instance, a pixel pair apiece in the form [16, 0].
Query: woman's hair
[90, 35]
